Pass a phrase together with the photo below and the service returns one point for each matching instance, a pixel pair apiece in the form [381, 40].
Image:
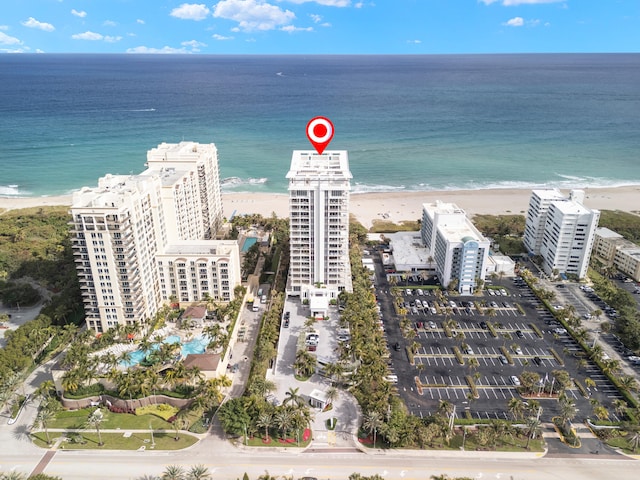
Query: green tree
[46, 414]
[371, 422]
[265, 421]
[173, 472]
[198, 472]
[94, 420]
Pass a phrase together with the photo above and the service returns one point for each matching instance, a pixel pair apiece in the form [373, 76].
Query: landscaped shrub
[161, 410]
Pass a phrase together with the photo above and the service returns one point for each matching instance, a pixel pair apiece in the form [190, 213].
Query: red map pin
[320, 133]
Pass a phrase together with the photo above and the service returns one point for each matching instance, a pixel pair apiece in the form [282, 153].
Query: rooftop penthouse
[331, 165]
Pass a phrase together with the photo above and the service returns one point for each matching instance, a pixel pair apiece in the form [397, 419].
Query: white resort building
[456, 246]
[613, 249]
[130, 230]
[319, 187]
[567, 230]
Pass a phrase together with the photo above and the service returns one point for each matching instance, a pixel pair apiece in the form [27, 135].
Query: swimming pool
[248, 243]
[196, 345]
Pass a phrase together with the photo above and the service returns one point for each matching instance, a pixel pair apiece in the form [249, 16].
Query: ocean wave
[141, 110]
[233, 182]
[564, 183]
[364, 188]
[11, 191]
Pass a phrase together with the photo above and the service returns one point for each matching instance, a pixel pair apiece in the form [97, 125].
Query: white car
[515, 380]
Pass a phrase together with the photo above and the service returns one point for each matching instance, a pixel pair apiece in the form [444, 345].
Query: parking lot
[505, 330]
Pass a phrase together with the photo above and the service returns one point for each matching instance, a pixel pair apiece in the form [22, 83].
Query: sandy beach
[396, 206]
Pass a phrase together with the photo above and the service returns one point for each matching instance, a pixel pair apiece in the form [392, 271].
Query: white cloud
[292, 28]
[33, 23]
[191, 11]
[9, 40]
[253, 14]
[194, 44]
[94, 37]
[140, 21]
[318, 19]
[514, 22]
[77, 13]
[4, 27]
[326, 3]
[415, 42]
[216, 36]
[165, 49]
[514, 3]
[109, 23]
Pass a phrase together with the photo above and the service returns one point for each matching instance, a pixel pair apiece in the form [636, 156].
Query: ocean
[428, 122]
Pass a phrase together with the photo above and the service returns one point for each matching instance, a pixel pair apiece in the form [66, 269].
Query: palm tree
[332, 394]
[283, 420]
[473, 363]
[94, 420]
[567, 409]
[601, 412]
[633, 437]
[198, 472]
[533, 429]
[173, 472]
[372, 421]
[619, 406]
[265, 421]
[516, 408]
[628, 383]
[292, 397]
[261, 387]
[13, 476]
[44, 390]
[180, 422]
[46, 413]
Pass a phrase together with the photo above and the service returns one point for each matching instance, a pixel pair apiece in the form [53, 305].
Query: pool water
[196, 345]
[248, 243]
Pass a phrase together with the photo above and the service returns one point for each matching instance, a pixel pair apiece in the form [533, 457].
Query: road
[231, 465]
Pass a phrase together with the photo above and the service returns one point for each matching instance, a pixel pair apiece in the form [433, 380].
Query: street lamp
[153, 442]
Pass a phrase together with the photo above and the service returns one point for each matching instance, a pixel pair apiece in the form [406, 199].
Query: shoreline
[390, 206]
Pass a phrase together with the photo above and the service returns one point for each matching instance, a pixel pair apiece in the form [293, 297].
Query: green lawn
[75, 419]
[117, 441]
[623, 444]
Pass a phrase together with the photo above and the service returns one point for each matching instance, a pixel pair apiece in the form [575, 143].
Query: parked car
[515, 380]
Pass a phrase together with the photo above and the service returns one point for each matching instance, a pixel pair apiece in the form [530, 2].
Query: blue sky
[320, 26]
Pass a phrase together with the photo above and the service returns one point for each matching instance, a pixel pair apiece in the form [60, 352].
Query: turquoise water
[196, 345]
[248, 243]
[409, 122]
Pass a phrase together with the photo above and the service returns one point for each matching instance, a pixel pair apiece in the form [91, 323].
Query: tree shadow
[22, 433]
